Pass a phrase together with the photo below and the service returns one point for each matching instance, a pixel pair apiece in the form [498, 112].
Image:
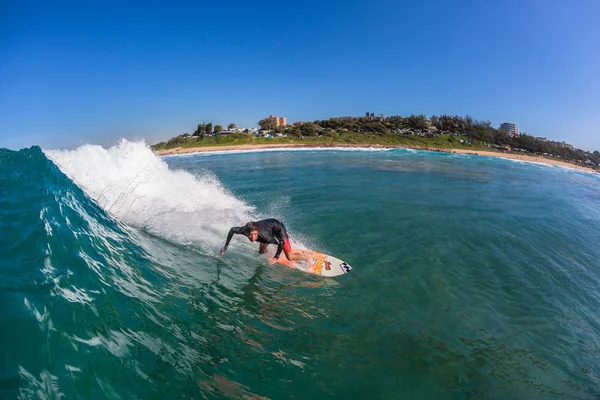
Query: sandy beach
[514, 156]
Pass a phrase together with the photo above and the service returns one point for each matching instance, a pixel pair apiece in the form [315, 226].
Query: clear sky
[94, 71]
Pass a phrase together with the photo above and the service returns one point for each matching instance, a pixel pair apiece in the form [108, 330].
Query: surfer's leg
[262, 249]
[295, 255]
[287, 247]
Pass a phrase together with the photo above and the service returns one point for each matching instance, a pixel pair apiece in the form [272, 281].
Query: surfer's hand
[222, 251]
[272, 260]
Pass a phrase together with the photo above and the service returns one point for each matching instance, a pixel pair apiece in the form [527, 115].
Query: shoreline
[513, 156]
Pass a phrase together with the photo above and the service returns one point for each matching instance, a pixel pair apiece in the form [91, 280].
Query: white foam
[563, 168]
[279, 149]
[131, 183]
[46, 387]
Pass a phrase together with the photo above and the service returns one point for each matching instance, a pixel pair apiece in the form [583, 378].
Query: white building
[509, 128]
[565, 145]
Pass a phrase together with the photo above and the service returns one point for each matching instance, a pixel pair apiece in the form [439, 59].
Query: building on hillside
[509, 128]
[565, 145]
[371, 116]
[279, 121]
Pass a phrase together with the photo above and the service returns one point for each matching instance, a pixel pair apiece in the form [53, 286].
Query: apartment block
[509, 128]
[279, 121]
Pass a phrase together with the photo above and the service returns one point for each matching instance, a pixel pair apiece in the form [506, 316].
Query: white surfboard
[316, 263]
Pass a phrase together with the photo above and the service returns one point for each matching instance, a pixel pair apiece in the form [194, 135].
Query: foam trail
[131, 183]
[282, 149]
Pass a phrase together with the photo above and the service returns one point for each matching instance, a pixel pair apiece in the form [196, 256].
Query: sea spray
[130, 182]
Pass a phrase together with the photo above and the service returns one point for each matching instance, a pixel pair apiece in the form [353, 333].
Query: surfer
[266, 231]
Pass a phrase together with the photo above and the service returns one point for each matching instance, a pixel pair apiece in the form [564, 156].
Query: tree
[231, 126]
[295, 132]
[417, 122]
[467, 124]
[395, 122]
[267, 124]
[328, 132]
[199, 130]
[218, 128]
[310, 129]
[208, 129]
[375, 126]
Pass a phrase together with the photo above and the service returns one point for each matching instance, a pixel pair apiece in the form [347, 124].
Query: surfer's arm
[280, 236]
[280, 246]
[279, 250]
[233, 230]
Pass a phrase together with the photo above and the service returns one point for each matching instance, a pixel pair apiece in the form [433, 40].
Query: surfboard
[316, 263]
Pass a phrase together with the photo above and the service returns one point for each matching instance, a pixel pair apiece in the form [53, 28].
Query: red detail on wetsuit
[287, 247]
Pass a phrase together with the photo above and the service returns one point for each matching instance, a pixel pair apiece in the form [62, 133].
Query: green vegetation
[440, 141]
[267, 124]
[415, 131]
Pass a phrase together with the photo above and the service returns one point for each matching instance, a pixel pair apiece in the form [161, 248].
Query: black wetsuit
[269, 231]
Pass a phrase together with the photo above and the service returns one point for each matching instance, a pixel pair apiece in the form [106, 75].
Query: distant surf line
[245, 148]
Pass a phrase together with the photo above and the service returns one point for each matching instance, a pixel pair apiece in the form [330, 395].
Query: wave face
[473, 277]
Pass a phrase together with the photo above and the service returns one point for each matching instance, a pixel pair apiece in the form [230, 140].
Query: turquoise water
[474, 278]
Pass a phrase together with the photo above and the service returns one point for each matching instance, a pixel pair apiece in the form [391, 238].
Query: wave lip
[133, 184]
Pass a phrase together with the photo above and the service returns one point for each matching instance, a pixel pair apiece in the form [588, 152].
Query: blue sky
[91, 72]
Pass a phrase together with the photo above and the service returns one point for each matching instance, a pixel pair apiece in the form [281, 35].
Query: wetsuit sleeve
[280, 236]
[238, 230]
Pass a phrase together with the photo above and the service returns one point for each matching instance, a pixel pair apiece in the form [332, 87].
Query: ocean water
[474, 277]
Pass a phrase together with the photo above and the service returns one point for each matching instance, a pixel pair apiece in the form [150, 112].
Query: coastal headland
[483, 152]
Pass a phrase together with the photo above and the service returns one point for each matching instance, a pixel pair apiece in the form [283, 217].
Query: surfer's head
[252, 231]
